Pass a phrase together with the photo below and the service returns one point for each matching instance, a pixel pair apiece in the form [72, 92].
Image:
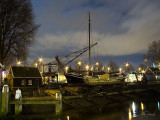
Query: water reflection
[142, 106]
[134, 109]
[130, 114]
[67, 117]
[158, 106]
[18, 108]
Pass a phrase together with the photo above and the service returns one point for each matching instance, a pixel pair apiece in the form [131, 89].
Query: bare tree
[142, 66]
[129, 68]
[153, 53]
[113, 66]
[17, 29]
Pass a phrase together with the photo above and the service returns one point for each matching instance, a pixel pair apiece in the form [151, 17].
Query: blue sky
[122, 28]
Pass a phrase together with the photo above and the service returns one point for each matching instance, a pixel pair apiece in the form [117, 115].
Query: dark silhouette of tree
[142, 66]
[113, 66]
[17, 29]
[153, 53]
[129, 68]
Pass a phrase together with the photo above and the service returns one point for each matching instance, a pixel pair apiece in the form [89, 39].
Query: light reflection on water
[138, 111]
[130, 114]
[135, 110]
[67, 117]
[158, 106]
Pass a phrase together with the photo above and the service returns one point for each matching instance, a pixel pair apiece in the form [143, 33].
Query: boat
[90, 77]
[76, 77]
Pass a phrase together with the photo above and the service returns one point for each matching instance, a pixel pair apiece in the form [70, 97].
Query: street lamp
[40, 59]
[87, 67]
[79, 64]
[120, 70]
[66, 68]
[127, 65]
[41, 66]
[19, 63]
[103, 68]
[108, 68]
[36, 65]
[97, 63]
[139, 69]
[91, 68]
[143, 71]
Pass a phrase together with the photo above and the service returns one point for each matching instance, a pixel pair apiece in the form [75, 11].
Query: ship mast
[89, 25]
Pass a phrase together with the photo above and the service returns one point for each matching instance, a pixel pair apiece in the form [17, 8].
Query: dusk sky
[122, 28]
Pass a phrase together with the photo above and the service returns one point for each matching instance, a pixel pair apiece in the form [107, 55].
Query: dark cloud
[121, 28]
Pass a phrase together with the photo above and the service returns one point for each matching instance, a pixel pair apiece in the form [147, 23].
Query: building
[152, 74]
[20, 76]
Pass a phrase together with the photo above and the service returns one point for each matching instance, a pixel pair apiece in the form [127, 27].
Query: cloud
[120, 27]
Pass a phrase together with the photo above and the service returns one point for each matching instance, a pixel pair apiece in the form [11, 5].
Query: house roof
[28, 72]
[156, 71]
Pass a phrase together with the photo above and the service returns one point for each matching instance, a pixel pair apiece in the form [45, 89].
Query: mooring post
[5, 99]
[18, 107]
[58, 106]
[1, 67]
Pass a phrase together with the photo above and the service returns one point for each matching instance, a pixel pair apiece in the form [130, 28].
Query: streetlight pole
[97, 64]
[79, 65]
[108, 69]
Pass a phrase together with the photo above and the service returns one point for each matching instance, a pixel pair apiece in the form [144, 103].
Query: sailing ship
[74, 77]
[89, 78]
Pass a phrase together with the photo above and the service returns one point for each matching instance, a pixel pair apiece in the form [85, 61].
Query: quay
[76, 97]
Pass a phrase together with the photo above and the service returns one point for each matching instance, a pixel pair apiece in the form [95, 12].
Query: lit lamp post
[108, 68]
[139, 69]
[127, 65]
[41, 66]
[36, 65]
[66, 69]
[87, 67]
[120, 70]
[79, 64]
[143, 71]
[91, 68]
[97, 64]
[103, 68]
[19, 63]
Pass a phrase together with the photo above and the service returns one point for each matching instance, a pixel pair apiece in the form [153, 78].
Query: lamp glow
[19, 63]
[79, 63]
[40, 59]
[36, 64]
[127, 65]
[87, 67]
[97, 63]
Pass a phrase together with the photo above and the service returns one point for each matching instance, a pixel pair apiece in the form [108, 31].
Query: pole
[89, 25]
[1, 66]
[0, 91]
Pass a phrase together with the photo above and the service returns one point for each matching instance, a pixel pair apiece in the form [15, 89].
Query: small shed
[20, 76]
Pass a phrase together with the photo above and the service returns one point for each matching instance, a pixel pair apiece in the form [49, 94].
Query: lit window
[29, 82]
[23, 82]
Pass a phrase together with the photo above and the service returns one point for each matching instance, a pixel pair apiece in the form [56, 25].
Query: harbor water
[148, 109]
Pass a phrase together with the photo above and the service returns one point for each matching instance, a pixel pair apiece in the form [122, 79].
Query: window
[29, 82]
[23, 82]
